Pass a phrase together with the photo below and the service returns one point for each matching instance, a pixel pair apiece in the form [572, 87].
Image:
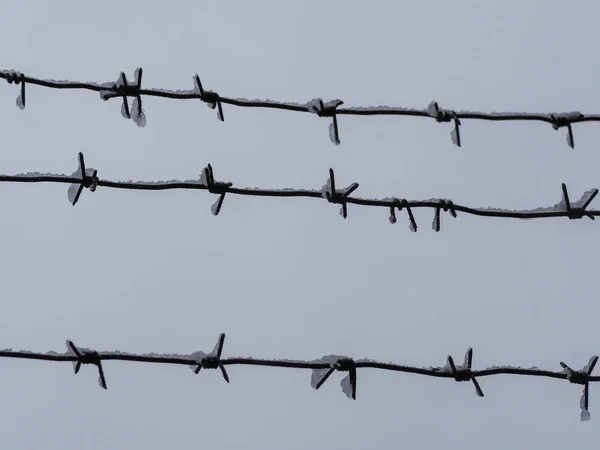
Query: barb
[322, 368]
[86, 356]
[88, 178]
[331, 109]
[213, 360]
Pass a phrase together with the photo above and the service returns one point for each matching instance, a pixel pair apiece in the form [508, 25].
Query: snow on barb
[333, 103]
[124, 111]
[88, 171]
[108, 93]
[562, 206]
[454, 137]
[70, 352]
[137, 113]
[332, 134]
[582, 201]
[198, 356]
[72, 192]
[570, 142]
[318, 374]
[73, 188]
[326, 189]
[346, 386]
[314, 105]
[433, 109]
[137, 73]
[203, 178]
[21, 102]
[585, 414]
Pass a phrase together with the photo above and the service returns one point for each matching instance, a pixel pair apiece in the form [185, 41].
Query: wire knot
[214, 187]
[338, 197]
[578, 211]
[400, 204]
[564, 119]
[14, 77]
[446, 115]
[211, 98]
[86, 181]
[325, 110]
[328, 110]
[124, 89]
[446, 205]
[578, 377]
[341, 364]
[88, 357]
[440, 115]
[213, 360]
[582, 377]
[91, 181]
[219, 187]
[344, 365]
[465, 373]
[210, 362]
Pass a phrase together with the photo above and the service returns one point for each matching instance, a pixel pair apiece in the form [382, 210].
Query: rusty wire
[124, 89]
[88, 178]
[322, 368]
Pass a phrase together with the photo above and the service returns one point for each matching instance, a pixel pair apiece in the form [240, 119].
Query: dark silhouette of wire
[88, 178]
[322, 368]
[123, 89]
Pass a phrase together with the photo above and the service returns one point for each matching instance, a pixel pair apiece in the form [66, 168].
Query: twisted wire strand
[88, 178]
[124, 89]
[322, 368]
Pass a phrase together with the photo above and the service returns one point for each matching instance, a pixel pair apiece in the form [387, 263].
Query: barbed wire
[88, 178]
[321, 368]
[123, 89]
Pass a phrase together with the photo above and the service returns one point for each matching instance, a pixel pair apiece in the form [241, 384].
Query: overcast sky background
[289, 278]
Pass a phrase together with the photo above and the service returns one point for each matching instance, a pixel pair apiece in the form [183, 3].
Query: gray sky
[156, 272]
